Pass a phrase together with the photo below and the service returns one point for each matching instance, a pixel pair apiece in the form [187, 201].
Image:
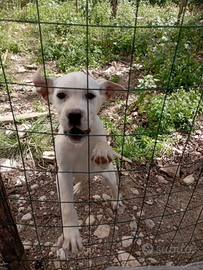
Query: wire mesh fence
[156, 55]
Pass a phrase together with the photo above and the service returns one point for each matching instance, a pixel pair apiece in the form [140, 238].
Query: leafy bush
[137, 145]
[179, 110]
[178, 113]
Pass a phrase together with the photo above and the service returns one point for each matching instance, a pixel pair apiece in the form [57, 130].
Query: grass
[169, 58]
[32, 144]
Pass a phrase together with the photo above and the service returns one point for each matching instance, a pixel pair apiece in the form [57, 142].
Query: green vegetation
[36, 139]
[139, 144]
[65, 40]
[179, 110]
[170, 57]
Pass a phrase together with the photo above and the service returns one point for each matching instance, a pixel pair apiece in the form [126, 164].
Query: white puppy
[77, 109]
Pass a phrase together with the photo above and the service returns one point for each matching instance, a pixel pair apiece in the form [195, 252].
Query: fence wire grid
[160, 222]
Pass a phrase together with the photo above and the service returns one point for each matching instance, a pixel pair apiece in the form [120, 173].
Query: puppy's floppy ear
[41, 86]
[107, 88]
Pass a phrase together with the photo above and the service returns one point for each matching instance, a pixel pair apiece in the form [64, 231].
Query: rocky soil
[161, 218]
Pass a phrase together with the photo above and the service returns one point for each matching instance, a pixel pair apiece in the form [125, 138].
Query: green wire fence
[160, 223]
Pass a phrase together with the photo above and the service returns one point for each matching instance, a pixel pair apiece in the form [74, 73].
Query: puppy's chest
[75, 158]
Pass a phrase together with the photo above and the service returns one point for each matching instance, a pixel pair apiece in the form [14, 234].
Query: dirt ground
[166, 211]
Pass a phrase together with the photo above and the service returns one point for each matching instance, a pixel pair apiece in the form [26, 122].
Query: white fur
[76, 157]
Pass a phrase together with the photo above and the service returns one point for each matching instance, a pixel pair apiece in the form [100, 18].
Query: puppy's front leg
[102, 154]
[70, 240]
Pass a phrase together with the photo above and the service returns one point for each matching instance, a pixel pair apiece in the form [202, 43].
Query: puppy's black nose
[74, 117]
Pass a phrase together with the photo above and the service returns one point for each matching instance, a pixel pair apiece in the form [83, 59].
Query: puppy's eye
[90, 96]
[61, 95]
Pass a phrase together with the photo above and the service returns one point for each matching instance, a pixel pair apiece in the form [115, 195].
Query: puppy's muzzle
[74, 117]
[75, 134]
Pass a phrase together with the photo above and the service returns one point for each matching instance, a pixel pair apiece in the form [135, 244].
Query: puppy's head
[77, 99]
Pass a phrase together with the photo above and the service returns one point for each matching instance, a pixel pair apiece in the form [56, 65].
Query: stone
[21, 209]
[169, 263]
[35, 186]
[48, 244]
[21, 70]
[26, 217]
[7, 164]
[141, 260]
[96, 197]
[149, 202]
[149, 223]
[102, 231]
[138, 253]
[116, 261]
[135, 207]
[126, 259]
[189, 180]
[21, 200]
[133, 226]
[49, 157]
[43, 198]
[80, 222]
[121, 209]
[151, 261]
[177, 151]
[27, 245]
[139, 242]
[51, 254]
[54, 247]
[141, 235]
[109, 212]
[161, 180]
[16, 196]
[200, 180]
[140, 213]
[61, 254]
[127, 241]
[106, 197]
[90, 220]
[20, 227]
[173, 170]
[99, 217]
[134, 191]
[36, 243]
[4, 98]
[20, 181]
[57, 264]
[22, 130]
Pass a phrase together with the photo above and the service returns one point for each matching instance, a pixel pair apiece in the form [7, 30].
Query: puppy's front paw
[116, 204]
[69, 243]
[79, 187]
[102, 155]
